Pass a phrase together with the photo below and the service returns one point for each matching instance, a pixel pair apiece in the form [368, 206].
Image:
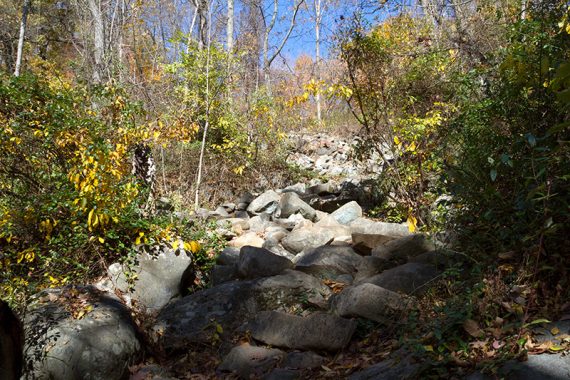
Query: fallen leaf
[555, 331]
[472, 328]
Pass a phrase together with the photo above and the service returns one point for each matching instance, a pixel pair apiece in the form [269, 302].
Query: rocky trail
[303, 276]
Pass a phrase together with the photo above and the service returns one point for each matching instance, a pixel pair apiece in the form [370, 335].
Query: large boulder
[290, 204]
[317, 331]
[402, 249]
[369, 301]
[347, 213]
[328, 261]
[307, 238]
[410, 278]
[158, 276]
[266, 202]
[247, 360]
[367, 226]
[188, 321]
[259, 262]
[365, 243]
[228, 256]
[80, 333]
[11, 344]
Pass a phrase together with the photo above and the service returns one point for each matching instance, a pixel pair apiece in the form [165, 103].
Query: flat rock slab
[367, 226]
[249, 238]
[329, 261]
[404, 248]
[247, 360]
[188, 320]
[259, 262]
[228, 256]
[411, 278]
[318, 331]
[537, 367]
[369, 301]
[80, 333]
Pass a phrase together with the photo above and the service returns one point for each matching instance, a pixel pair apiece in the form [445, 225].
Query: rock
[440, 258]
[317, 331]
[367, 226]
[544, 367]
[298, 188]
[369, 301]
[237, 225]
[331, 224]
[303, 360]
[307, 238]
[80, 333]
[276, 248]
[411, 278]
[266, 202]
[283, 374]
[544, 333]
[364, 243]
[242, 214]
[347, 213]
[371, 266]
[223, 273]
[390, 369]
[164, 204]
[188, 321]
[228, 256]
[402, 249]
[323, 189]
[290, 204]
[247, 360]
[260, 222]
[158, 277]
[275, 233]
[229, 207]
[258, 262]
[150, 372]
[330, 203]
[328, 261]
[249, 238]
[11, 344]
[244, 201]
[220, 212]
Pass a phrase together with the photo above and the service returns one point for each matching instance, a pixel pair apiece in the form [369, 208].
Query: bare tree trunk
[207, 123]
[318, 19]
[98, 40]
[523, 9]
[24, 21]
[230, 26]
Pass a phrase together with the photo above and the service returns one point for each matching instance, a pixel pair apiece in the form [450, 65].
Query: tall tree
[23, 23]
[230, 26]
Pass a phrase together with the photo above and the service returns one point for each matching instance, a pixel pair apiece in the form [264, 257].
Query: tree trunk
[230, 26]
[318, 19]
[25, 11]
[98, 40]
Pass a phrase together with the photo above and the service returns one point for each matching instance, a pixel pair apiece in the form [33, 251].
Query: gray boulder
[328, 261]
[544, 367]
[369, 301]
[188, 320]
[303, 360]
[367, 226]
[276, 248]
[307, 238]
[158, 277]
[80, 333]
[228, 256]
[404, 248]
[266, 202]
[347, 213]
[410, 278]
[290, 204]
[390, 369]
[259, 262]
[364, 243]
[223, 273]
[317, 331]
[247, 360]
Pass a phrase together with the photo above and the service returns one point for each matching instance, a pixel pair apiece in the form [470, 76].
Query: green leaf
[493, 175]
[537, 322]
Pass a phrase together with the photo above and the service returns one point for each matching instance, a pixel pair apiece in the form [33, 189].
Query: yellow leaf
[101, 240]
[428, 348]
[412, 223]
[195, 246]
[556, 348]
[175, 244]
[397, 141]
[555, 331]
[90, 217]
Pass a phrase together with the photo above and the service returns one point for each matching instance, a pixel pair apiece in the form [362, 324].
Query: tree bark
[230, 26]
[23, 23]
[318, 19]
[98, 40]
